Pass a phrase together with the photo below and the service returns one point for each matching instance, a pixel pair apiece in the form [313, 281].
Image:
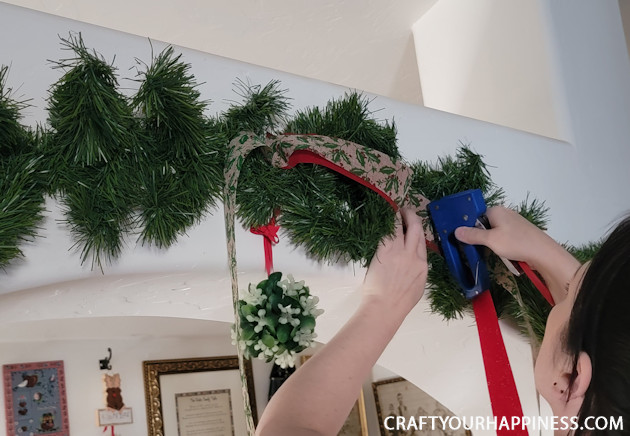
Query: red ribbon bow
[269, 233]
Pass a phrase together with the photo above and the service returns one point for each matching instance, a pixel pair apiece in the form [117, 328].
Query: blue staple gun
[465, 262]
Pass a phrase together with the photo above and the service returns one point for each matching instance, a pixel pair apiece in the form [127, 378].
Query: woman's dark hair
[600, 326]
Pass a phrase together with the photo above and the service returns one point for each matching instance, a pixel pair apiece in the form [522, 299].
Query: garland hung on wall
[334, 219]
[152, 164]
[91, 142]
[148, 164]
[182, 172]
[21, 188]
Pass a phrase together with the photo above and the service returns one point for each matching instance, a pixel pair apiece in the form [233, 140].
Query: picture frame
[399, 397]
[35, 398]
[197, 396]
[356, 422]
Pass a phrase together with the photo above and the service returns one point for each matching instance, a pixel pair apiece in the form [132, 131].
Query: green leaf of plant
[308, 322]
[248, 309]
[248, 333]
[272, 321]
[273, 301]
[284, 333]
[268, 340]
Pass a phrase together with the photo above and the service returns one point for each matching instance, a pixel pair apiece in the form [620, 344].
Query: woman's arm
[318, 397]
[515, 238]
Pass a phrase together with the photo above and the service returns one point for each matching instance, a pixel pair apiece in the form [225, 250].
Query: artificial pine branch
[181, 172]
[170, 109]
[21, 204]
[451, 174]
[91, 119]
[262, 109]
[444, 295]
[349, 118]
[14, 137]
[584, 252]
[21, 191]
[97, 222]
[334, 221]
[534, 310]
[93, 145]
[350, 219]
[534, 211]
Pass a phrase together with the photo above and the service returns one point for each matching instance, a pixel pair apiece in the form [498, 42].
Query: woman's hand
[510, 236]
[398, 271]
[515, 238]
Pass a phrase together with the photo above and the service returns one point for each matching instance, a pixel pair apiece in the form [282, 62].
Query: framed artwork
[399, 397]
[356, 422]
[198, 396]
[35, 398]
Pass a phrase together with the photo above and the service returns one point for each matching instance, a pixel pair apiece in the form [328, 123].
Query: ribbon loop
[269, 232]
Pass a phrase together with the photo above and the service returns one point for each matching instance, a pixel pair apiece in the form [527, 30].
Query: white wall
[84, 342]
[363, 45]
[584, 182]
[488, 60]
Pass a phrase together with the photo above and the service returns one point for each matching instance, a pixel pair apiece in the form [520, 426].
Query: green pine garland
[21, 200]
[181, 172]
[92, 120]
[262, 109]
[333, 218]
[92, 143]
[14, 137]
[153, 164]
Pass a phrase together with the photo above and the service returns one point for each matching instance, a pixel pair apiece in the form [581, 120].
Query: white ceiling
[362, 44]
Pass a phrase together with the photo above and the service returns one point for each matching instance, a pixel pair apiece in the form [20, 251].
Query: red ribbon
[106, 427]
[269, 233]
[307, 156]
[537, 282]
[501, 385]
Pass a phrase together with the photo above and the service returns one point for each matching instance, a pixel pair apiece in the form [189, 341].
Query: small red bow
[269, 233]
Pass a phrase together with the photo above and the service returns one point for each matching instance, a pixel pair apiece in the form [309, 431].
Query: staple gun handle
[465, 261]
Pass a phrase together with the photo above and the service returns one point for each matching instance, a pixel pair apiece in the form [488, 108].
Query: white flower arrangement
[277, 320]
